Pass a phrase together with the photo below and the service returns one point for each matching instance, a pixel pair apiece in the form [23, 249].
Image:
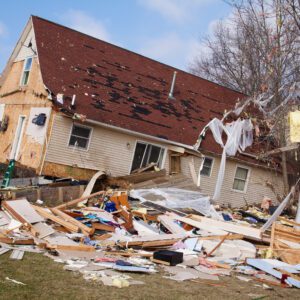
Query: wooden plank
[86, 230]
[170, 224]
[79, 247]
[248, 232]
[50, 216]
[198, 225]
[76, 201]
[105, 227]
[218, 237]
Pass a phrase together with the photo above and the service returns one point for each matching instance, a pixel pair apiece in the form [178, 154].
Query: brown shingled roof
[121, 88]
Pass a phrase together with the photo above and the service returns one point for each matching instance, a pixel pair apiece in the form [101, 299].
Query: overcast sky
[165, 30]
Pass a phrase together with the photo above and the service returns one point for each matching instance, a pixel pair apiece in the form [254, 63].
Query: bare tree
[257, 51]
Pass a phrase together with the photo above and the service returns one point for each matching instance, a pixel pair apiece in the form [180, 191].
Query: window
[240, 179]
[207, 166]
[145, 154]
[80, 136]
[26, 71]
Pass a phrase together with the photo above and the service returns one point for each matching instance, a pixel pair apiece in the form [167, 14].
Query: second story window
[207, 166]
[26, 71]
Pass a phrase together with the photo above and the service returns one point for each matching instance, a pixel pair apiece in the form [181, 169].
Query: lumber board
[100, 226]
[248, 232]
[233, 236]
[199, 225]
[86, 230]
[78, 200]
[171, 225]
[50, 216]
[79, 247]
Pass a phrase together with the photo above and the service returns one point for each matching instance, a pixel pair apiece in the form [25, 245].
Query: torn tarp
[177, 198]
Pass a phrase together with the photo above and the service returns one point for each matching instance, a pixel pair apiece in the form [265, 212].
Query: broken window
[26, 71]
[145, 154]
[240, 179]
[207, 166]
[80, 136]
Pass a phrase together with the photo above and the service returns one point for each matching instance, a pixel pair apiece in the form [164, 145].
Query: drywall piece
[43, 229]
[60, 240]
[23, 211]
[91, 184]
[38, 133]
[17, 254]
[213, 271]
[143, 228]
[3, 250]
[4, 218]
[182, 274]
[269, 265]
[248, 232]
[172, 226]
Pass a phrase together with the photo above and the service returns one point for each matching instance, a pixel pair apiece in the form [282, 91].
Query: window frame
[212, 165]
[89, 139]
[246, 181]
[147, 143]
[23, 71]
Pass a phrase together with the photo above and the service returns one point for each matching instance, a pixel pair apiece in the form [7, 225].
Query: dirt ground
[46, 279]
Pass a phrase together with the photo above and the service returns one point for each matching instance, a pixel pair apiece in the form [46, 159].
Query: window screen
[240, 179]
[80, 136]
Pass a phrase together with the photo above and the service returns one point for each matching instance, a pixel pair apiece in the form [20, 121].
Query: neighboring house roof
[124, 89]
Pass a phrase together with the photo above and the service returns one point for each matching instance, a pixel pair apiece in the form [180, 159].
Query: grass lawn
[46, 279]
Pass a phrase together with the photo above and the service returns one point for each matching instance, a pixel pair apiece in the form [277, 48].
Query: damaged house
[71, 105]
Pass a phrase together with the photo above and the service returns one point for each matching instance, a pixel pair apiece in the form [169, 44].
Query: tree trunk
[285, 173]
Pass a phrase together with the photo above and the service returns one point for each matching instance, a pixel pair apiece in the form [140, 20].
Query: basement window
[145, 154]
[80, 136]
[26, 71]
[240, 179]
[207, 166]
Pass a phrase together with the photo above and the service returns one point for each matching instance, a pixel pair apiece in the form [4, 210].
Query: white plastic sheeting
[239, 136]
[177, 198]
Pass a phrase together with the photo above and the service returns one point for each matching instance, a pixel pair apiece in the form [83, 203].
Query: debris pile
[108, 234]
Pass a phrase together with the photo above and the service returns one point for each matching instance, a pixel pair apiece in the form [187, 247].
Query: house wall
[24, 101]
[108, 150]
[261, 182]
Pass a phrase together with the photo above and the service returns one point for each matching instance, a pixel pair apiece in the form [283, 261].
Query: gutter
[141, 135]
[135, 133]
